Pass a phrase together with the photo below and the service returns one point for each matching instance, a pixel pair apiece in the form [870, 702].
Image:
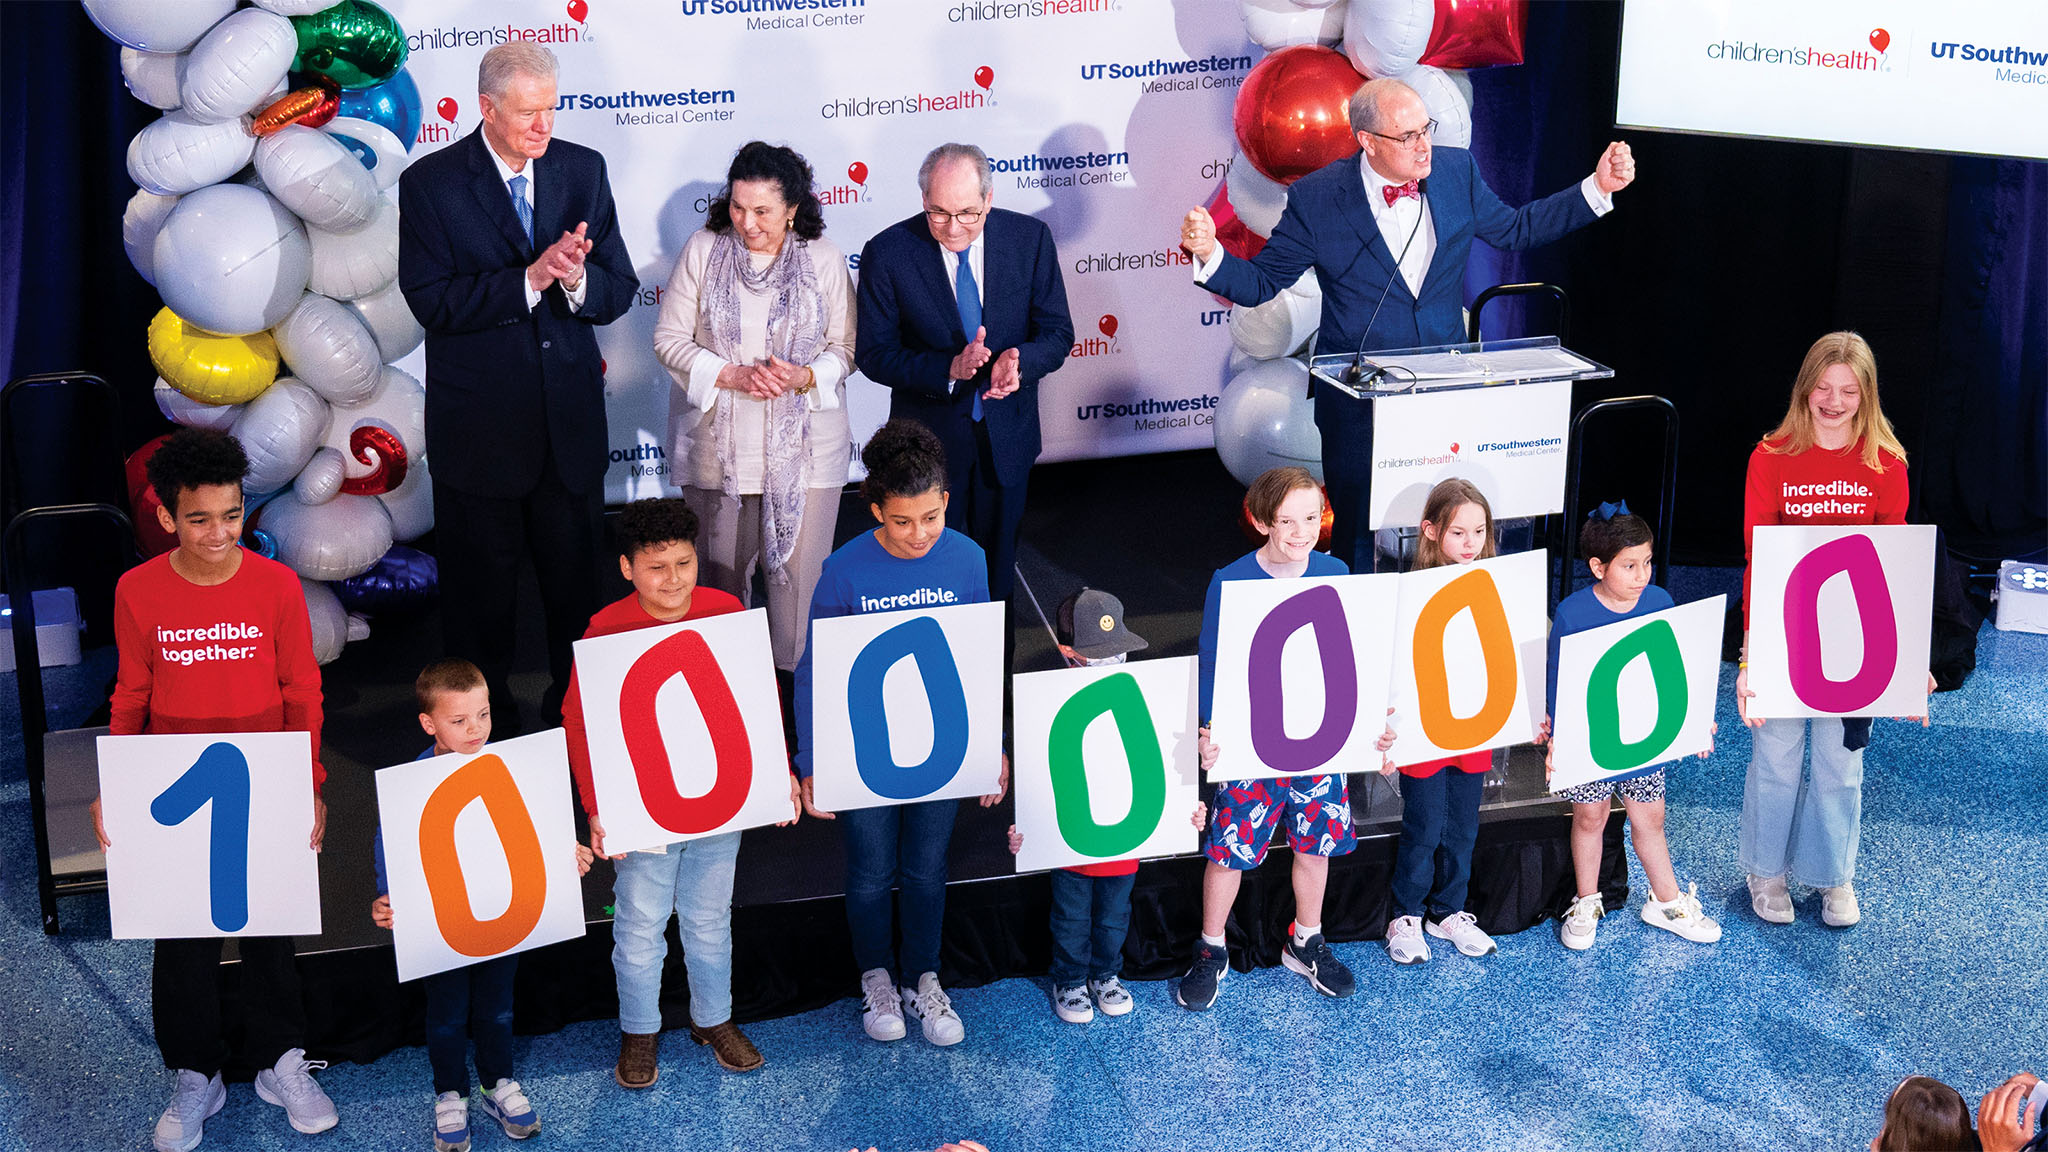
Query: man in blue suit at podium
[1387, 233]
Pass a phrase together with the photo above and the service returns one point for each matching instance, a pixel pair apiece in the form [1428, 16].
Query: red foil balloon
[1290, 116]
[1477, 33]
[150, 536]
[1236, 238]
[389, 457]
[312, 106]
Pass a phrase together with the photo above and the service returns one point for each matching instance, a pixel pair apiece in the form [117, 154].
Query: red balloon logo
[1290, 114]
[447, 108]
[858, 173]
[578, 10]
[1880, 39]
[984, 76]
[1108, 326]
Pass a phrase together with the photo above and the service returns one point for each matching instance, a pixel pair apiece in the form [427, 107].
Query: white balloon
[312, 174]
[1281, 326]
[328, 618]
[1257, 198]
[412, 506]
[296, 7]
[373, 145]
[179, 408]
[397, 406]
[140, 222]
[1266, 420]
[1317, 3]
[279, 431]
[155, 78]
[320, 480]
[231, 260]
[178, 154]
[238, 63]
[157, 25]
[348, 265]
[1387, 37]
[1281, 23]
[330, 541]
[330, 349]
[390, 320]
[1447, 93]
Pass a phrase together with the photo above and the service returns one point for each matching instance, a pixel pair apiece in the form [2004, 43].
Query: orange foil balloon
[1290, 117]
[311, 106]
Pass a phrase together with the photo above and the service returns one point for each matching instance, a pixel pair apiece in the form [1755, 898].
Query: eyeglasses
[965, 219]
[1409, 139]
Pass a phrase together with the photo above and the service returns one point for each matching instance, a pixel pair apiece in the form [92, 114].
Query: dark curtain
[1729, 256]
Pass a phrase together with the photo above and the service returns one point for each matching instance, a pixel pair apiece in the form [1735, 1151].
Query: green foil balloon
[354, 44]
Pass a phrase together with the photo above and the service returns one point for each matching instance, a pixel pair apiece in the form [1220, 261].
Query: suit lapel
[1357, 212]
[496, 199]
[1447, 226]
[937, 282]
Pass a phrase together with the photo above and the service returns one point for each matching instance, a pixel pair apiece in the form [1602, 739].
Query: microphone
[1356, 375]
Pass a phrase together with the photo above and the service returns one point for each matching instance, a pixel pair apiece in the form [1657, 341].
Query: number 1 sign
[1840, 620]
[480, 852]
[210, 835]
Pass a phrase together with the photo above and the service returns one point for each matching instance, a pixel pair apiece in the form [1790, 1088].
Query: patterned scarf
[796, 333]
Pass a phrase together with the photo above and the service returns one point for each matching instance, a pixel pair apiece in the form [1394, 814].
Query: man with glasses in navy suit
[1387, 233]
[962, 312]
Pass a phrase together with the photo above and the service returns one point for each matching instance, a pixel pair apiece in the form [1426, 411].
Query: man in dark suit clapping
[962, 312]
[509, 254]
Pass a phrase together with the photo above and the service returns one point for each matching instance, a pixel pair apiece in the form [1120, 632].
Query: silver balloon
[231, 260]
[1266, 420]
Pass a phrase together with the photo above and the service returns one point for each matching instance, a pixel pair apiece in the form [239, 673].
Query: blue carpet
[1777, 1037]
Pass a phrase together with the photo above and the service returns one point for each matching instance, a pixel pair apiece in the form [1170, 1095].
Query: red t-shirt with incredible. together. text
[1818, 486]
[230, 657]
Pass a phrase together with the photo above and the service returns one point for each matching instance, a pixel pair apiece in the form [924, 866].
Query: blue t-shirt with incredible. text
[863, 577]
[1245, 567]
[1581, 611]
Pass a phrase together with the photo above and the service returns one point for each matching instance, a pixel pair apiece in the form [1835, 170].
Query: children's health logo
[550, 30]
[1103, 345]
[448, 127]
[981, 95]
[976, 11]
[855, 191]
[782, 15]
[1836, 58]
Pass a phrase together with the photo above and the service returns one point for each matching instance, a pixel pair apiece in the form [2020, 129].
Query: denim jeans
[464, 1004]
[904, 844]
[692, 879]
[1792, 822]
[1439, 825]
[1090, 917]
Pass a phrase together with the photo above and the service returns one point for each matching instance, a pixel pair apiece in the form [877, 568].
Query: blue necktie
[519, 205]
[968, 298]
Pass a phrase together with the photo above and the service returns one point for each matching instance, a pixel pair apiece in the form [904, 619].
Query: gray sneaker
[1071, 1004]
[1110, 996]
[1770, 900]
[1838, 907]
[194, 1102]
[290, 1086]
[1581, 921]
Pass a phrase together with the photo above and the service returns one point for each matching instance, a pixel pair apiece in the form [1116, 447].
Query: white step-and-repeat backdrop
[1105, 118]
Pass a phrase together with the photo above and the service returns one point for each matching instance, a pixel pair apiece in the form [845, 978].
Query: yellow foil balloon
[211, 369]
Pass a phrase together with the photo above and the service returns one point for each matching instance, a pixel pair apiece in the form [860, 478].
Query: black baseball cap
[1092, 623]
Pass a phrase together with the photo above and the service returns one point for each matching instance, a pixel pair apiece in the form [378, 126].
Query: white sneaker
[934, 1010]
[1072, 1004]
[1838, 907]
[508, 1105]
[1769, 899]
[290, 1086]
[195, 1101]
[1110, 996]
[1682, 916]
[883, 1018]
[451, 1123]
[1581, 921]
[1462, 929]
[1405, 942]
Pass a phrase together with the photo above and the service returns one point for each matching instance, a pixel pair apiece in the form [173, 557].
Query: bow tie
[1394, 192]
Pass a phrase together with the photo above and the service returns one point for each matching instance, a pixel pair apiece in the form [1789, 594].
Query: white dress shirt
[505, 175]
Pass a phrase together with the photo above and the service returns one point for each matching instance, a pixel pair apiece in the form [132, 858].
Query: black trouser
[185, 1001]
[465, 1004]
[987, 510]
[481, 540]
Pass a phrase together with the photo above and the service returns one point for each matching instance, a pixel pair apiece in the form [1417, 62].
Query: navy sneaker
[1204, 980]
[1315, 961]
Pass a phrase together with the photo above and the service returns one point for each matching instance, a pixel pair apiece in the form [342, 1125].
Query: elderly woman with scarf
[756, 328]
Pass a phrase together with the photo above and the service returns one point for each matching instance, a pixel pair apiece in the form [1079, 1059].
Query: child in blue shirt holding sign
[911, 560]
[1616, 546]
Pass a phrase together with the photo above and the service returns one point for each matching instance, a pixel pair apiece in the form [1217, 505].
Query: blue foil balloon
[260, 542]
[394, 104]
[404, 579]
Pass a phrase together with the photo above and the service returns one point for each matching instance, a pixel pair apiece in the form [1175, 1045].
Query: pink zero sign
[1857, 557]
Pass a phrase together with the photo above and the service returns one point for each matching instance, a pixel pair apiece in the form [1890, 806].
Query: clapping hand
[1005, 377]
[970, 359]
[562, 261]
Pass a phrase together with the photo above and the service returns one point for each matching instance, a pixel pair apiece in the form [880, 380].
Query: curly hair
[758, 160]
[646, 524]
[1603, 540]
[903, 458]
[195, 458]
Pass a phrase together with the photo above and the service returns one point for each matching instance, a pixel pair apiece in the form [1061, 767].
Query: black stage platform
[1175, 524]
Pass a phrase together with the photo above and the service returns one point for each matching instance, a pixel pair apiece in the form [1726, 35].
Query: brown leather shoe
[735, 1052]
[637, 1067]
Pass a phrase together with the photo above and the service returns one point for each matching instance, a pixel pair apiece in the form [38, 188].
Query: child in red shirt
[213, 638]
